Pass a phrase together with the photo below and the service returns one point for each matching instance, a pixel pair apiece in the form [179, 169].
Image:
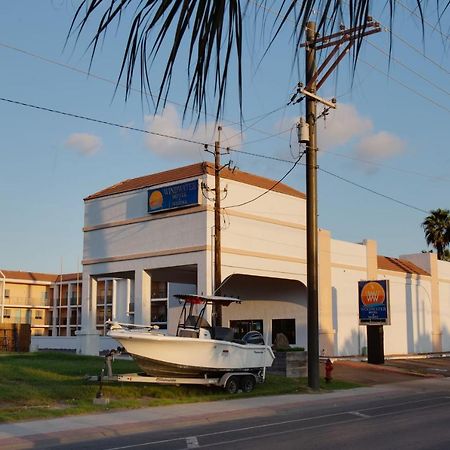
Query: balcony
[26, 301]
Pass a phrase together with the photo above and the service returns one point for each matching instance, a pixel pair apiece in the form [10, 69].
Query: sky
[383, 153]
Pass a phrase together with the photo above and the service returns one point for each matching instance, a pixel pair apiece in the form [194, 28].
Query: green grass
[52, 384]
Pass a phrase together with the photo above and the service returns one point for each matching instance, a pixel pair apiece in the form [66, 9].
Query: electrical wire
[343, 179]
[140, 91]
[272, 187]
[398, 169]
[272, 158]
[104, 122]
[433, 27]
[373, 191]
[406, 86]
[400, 63]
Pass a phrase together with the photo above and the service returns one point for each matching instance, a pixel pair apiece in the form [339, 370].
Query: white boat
[197, 349]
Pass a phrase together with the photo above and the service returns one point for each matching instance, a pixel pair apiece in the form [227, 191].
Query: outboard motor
[253, 337]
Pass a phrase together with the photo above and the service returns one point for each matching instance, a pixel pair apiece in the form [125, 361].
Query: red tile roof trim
[192, 171]
[39, 277]
[399, 265]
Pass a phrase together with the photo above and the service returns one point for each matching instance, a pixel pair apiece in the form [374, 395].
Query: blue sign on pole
[174, 196]
[374, 302]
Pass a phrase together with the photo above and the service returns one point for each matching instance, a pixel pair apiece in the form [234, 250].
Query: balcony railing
[26, 301]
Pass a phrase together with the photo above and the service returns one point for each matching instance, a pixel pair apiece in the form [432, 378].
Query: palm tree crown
[437, 230]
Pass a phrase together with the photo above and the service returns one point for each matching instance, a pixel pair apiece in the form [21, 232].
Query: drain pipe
[2, 304]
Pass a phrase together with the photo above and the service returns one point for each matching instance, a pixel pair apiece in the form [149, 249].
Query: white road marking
[192, 442]
[292, 421]
[358, 414]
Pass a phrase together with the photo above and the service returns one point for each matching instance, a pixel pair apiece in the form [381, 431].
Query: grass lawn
[52, 384]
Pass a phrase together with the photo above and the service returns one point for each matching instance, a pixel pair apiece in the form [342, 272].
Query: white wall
[444, 299]
[410, 305]
[54, 343]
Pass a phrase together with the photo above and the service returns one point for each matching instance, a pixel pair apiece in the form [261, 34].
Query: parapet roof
[194, 170]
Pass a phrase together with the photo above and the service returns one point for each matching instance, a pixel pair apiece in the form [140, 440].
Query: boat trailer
[232, 382]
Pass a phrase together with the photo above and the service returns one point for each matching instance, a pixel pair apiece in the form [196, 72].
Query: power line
[104, 122]
[406, 86]
[398, 169]
[272, 187]
[373, 191]
[408, 68]
[140, 91]
[272, 158]
[425, 21]
[421, 53]
[341, 178]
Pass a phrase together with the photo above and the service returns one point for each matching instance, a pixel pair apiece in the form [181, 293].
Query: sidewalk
[378, 380]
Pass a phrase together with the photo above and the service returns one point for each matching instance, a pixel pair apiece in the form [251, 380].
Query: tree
[210, 32]
[437, 231]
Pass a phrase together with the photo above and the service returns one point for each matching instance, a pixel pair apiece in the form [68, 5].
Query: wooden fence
[15, 337]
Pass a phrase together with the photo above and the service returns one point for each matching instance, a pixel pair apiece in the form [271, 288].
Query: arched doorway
[269, 305]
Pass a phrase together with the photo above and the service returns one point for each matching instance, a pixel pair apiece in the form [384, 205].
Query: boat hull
[160, 355]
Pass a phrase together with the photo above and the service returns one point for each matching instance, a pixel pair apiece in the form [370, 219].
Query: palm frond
[212, 32]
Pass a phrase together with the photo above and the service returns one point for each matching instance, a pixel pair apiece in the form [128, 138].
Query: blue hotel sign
[174, 196]
[374, 302]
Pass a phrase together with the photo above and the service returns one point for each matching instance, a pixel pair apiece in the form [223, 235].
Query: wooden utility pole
[311, 214]
[217, 309]
[313, 43]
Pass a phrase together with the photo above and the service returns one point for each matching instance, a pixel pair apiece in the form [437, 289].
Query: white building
[152, 237]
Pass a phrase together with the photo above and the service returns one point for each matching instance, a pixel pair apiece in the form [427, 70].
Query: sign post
[374, 312]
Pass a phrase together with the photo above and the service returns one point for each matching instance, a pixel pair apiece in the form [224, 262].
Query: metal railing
[27, 301]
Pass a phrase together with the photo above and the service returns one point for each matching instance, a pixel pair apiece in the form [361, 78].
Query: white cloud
[169, 123]
[84, 143]
[379, 146]
[341, 126]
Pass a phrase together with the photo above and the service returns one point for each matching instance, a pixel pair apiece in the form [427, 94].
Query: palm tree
[211, 32]
[437, 230]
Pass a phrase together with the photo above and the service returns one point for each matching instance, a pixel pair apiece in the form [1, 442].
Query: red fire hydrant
[328, 370]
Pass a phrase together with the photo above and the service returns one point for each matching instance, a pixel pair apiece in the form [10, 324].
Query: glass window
[241, 327]
[159, 289]
[159, 312]
[6, 293]
[285, 326]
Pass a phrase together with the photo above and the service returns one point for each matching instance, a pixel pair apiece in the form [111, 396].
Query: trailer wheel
[248, 383]
[232, 385]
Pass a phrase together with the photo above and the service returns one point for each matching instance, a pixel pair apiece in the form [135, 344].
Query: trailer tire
[232, 385]
[248, 383]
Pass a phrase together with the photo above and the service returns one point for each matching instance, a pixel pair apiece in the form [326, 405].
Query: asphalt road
[412, 415]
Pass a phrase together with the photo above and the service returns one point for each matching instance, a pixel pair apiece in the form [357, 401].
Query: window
[38, 314]
[6, 293]
[7, 313]
[159, 311]
[285, 326]
[241, 327]
[159, 289]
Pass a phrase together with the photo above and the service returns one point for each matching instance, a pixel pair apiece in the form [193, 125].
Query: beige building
[49, 303]
[148, 238]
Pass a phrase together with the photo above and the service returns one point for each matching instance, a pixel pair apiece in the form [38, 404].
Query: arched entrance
[269, 305]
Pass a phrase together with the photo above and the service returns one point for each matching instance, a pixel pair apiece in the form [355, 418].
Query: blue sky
[390, 132]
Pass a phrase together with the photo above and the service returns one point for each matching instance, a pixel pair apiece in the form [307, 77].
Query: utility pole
[217, 309]
[311, 213]
[309, 92]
